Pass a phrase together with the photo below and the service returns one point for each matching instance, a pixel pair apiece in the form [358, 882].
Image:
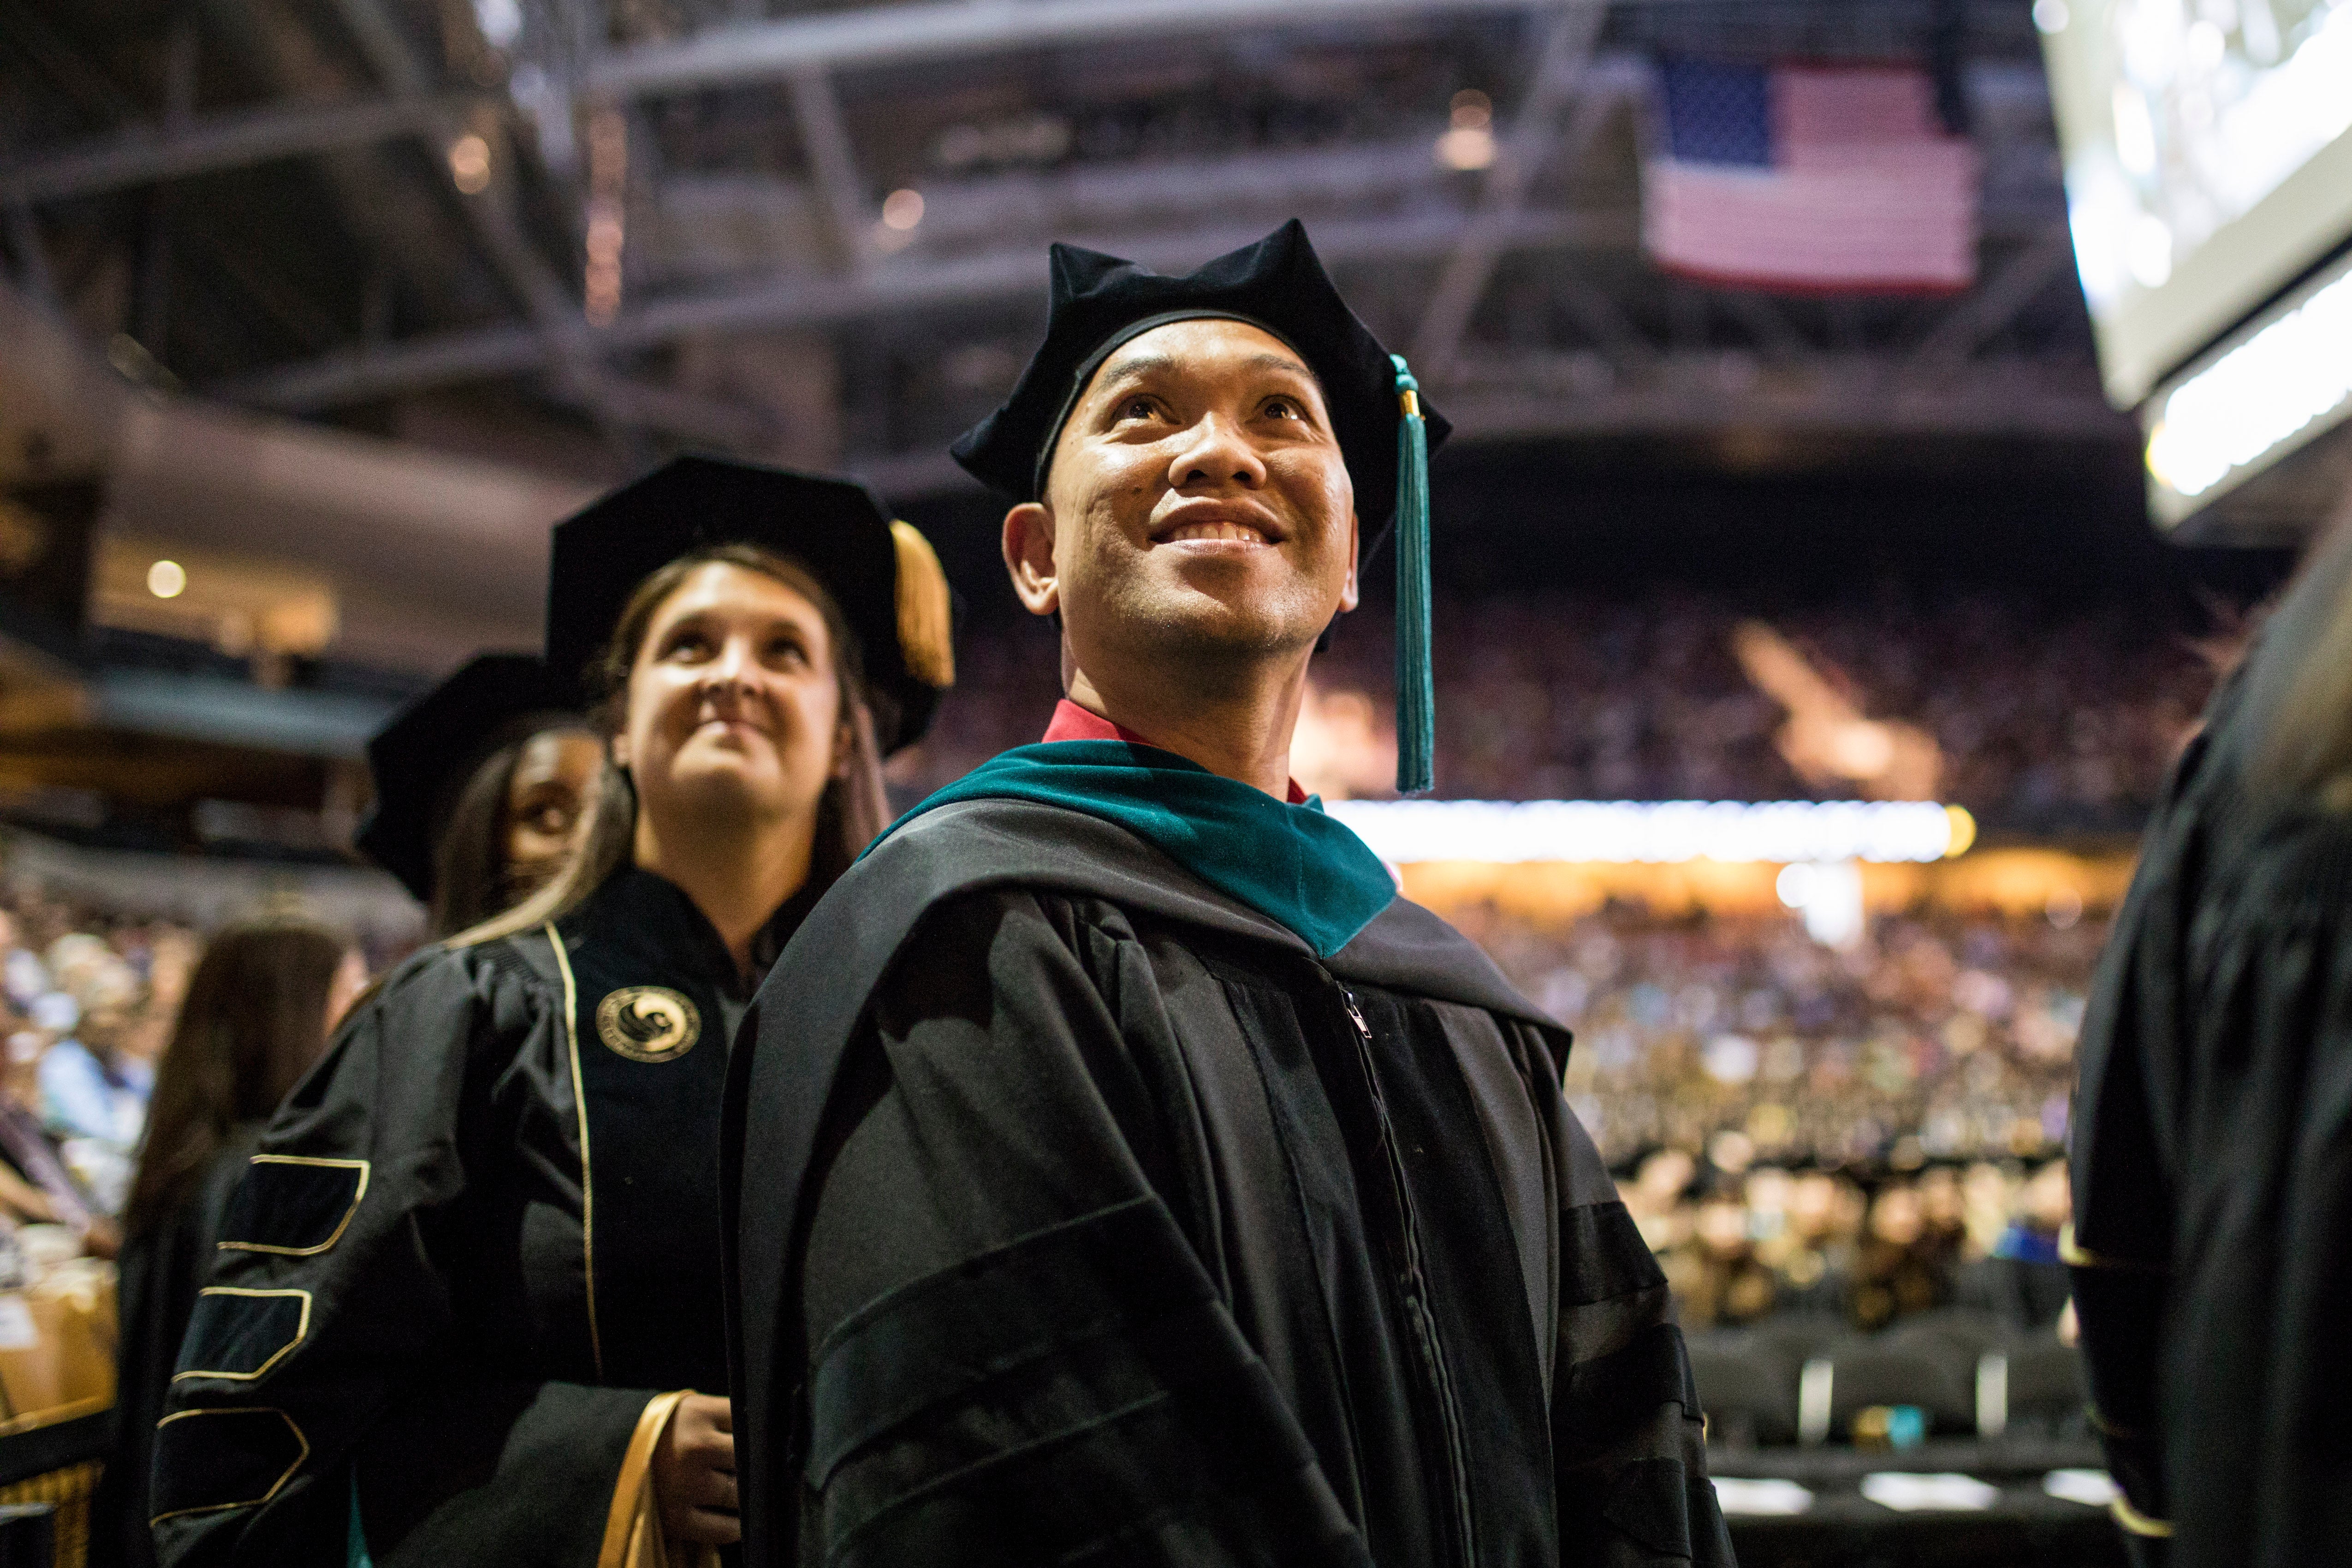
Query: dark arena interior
[1880, 609]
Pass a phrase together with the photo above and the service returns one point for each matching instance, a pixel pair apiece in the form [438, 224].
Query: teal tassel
[1416, 679]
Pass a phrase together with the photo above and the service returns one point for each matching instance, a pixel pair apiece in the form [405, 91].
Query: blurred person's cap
[55, 1011]
[422, 760]
[883, 573]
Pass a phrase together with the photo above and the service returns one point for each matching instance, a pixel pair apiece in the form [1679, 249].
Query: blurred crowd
[1869, 1133]
[2043, 720]
[1935, 1036]
[1868, 1246]
[89, 1002]
[86, 1008]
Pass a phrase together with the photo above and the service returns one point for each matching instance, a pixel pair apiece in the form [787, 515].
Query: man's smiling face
[1198, 503]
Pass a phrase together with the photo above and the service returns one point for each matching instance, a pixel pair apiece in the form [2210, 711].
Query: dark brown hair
[853, 809]
[254, 1020]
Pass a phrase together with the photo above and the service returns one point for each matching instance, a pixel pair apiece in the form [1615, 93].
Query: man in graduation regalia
[1118, 1170]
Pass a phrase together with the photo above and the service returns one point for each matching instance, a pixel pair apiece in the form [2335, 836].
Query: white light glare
[2257, 396]
[2050, 15]
[1407, 832]
[500, 22]
[167, 579]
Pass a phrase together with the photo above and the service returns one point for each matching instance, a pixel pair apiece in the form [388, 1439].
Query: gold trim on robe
[587, 1182]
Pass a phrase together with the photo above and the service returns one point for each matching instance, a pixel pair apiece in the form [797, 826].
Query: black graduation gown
[2211, 1248]
[477, 1238]
[163, 1266]
[1083, 1217]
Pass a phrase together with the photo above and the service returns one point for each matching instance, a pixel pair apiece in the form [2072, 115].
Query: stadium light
[2272, 390]
[1409, 832]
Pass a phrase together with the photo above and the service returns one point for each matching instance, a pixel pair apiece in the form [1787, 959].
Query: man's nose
[1216, 453]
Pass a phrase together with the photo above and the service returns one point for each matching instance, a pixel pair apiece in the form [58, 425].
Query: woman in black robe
[256, 1014]
[2211, 1247]
[468, 1305]
[480, 788]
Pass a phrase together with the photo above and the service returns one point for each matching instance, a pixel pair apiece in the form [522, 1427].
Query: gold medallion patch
[648, 1023]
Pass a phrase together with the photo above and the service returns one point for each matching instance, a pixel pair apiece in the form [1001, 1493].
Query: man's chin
[1225, 627]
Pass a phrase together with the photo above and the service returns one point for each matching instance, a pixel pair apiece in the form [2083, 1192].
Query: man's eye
[1136, 408]
[688, 645]
[1284, 409]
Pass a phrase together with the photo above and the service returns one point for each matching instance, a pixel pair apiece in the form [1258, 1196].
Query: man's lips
[1217, 524]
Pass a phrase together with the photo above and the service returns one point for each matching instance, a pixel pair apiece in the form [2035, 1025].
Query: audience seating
[1806, 1379]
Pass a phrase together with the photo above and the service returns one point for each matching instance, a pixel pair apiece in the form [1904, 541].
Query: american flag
[1816, 179]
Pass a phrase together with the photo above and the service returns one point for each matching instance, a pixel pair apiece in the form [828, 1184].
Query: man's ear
[1029, 557]
[1352, 593]
[616, 748]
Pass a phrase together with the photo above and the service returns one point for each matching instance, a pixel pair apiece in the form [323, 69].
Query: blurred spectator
[1717, 1277]
[258, 1013]
[2023, 1282]
[1898, 1268]
[36, 1185]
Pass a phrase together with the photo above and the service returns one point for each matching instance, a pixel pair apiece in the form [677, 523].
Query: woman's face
[733, 705]
[545, 796]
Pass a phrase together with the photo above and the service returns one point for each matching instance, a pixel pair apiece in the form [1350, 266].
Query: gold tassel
[926, 622]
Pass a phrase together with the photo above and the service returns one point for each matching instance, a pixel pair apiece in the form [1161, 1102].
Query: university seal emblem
[648, 1023]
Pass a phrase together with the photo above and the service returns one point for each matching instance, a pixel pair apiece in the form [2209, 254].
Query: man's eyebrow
[1153, 364]
[1267, 359]
[1136, 365]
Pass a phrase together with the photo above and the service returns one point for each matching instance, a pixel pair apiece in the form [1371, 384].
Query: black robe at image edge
[2211, 1155]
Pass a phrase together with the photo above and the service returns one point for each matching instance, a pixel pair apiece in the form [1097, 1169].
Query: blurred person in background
[2021, 1281]
[481, 785]
[501, 1190]
[1898, 1270]
[1658, 1197]
[1943, 1214]
[1717, 1277]
[36, 1185]
[2212, 1246]
[1814, 1252]
[256, 1014]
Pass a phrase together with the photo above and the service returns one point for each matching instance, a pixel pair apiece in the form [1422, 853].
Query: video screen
[2208, 162]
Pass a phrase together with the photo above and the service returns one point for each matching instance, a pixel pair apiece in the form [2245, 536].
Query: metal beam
[802, 301]
[567, 353]
[1558, 78]
[1700, 393]
[1692, 395]
[1995, 302]
[233, 140]
[832, 162]
[959, 29]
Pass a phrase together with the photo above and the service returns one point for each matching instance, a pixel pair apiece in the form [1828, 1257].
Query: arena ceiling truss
[615, 227]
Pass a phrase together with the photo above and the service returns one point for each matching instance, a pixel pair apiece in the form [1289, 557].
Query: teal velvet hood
[1291, 863]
